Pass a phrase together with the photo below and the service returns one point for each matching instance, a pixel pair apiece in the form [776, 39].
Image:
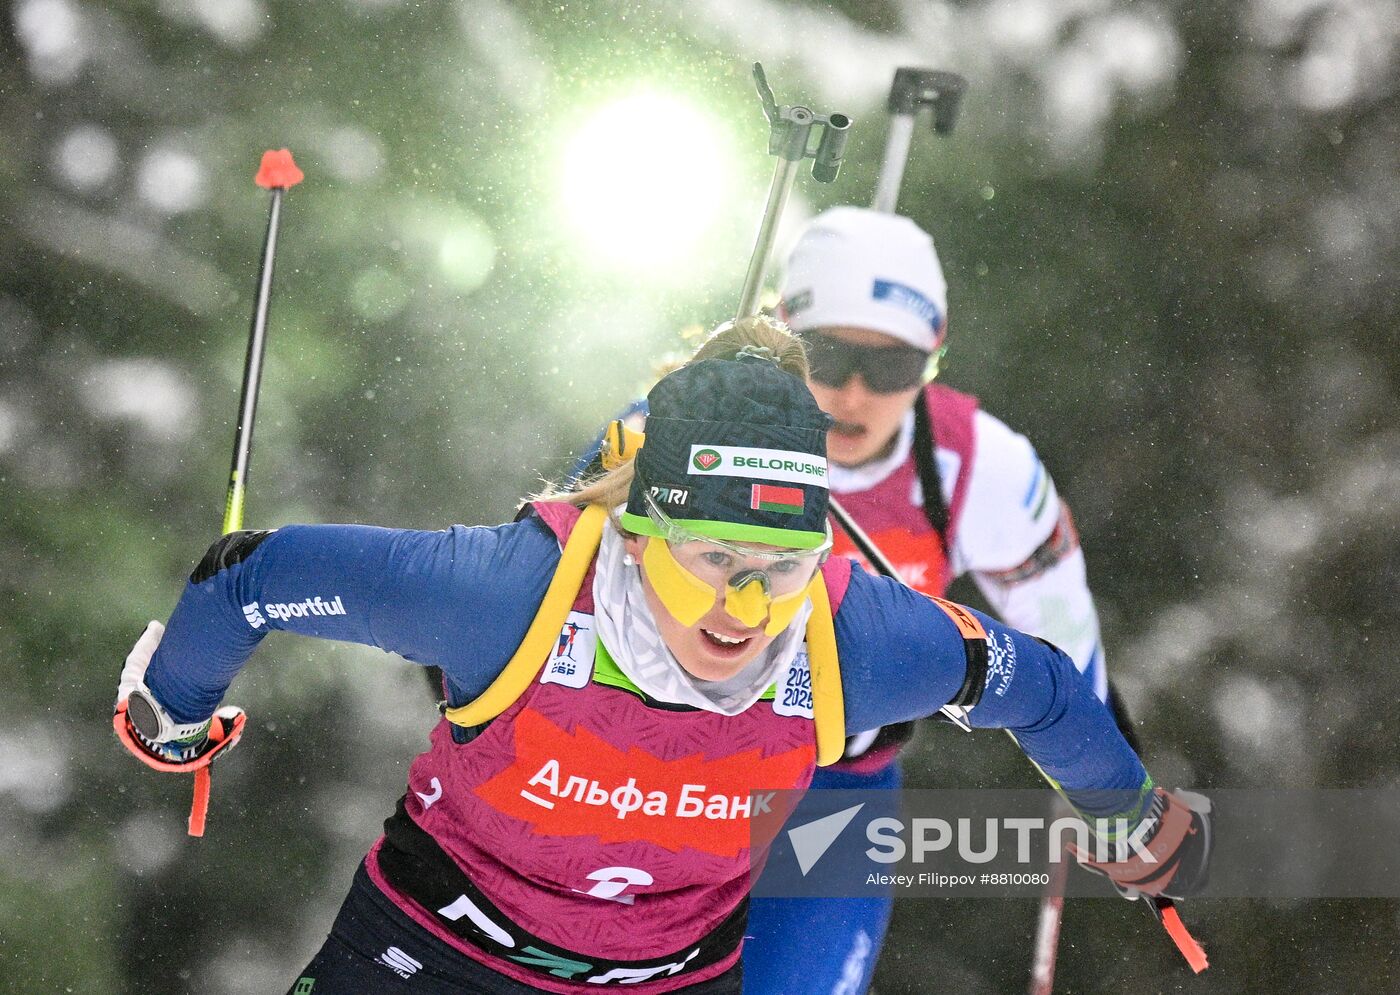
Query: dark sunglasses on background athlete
[885, 369]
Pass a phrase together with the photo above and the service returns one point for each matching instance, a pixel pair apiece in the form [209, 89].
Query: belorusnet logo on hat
[758, 464]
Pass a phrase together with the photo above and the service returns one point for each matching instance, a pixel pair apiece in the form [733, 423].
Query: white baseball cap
[859, 268]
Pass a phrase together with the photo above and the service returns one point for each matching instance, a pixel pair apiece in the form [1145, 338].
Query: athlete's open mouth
[723, 642]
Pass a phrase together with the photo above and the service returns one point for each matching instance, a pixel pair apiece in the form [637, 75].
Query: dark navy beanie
[735, 449]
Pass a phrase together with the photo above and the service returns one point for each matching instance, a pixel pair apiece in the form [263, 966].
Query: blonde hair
[747, 335]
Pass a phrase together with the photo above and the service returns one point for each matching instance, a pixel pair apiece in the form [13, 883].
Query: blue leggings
[818, 946]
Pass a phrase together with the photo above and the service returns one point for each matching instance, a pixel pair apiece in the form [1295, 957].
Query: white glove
[139, 659]
[147, 718]
[146, 729]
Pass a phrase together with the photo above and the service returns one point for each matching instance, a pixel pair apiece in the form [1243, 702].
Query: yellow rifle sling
[543, 633]
[828, 703]
[828, 706]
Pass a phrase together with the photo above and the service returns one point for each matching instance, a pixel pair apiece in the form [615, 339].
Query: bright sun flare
[644, 180]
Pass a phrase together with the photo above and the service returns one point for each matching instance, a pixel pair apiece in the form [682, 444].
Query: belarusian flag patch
[771, 497]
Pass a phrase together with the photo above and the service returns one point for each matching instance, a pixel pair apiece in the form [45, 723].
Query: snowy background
[1170, 231]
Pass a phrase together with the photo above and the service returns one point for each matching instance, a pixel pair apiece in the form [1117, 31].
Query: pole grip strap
[223, 736]
[1190, 948]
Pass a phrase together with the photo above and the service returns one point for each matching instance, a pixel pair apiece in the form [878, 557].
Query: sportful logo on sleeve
[286, 611]
[758, 464]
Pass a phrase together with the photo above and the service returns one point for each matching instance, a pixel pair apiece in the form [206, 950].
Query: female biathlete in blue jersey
[581, 815]
[944, 489]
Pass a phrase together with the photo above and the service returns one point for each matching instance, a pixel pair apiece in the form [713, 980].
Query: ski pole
[912, 91]
[279, 174]
[941, 92]
[1047, 930]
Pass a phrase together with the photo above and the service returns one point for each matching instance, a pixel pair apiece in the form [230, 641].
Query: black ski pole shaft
[873, 553]
[876, 557]
[278, 174]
